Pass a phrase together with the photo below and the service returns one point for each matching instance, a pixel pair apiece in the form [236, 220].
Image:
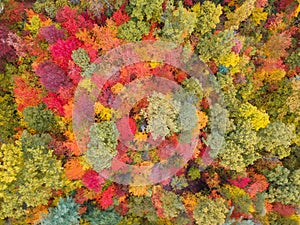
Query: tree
[284, 185]
[179, 24]
[240, 14]
[209, 211]
[132, 31]
[142, 10]
[100, 217]
[52, 76]
[240, 199]
[39, 119]
[208, 16]
[102, 145]
[9, 119]
[214, 46]
[30, 175]
[66, 212]
[276, 139]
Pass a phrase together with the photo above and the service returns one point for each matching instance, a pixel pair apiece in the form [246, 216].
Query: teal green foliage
[178, 24]
[100, 217]
[209, 17]
[187, 116]
[238, 222]
[148, 10]
[81, 58]
[39, 119]
[102, 145]
[212, 47]
[284, 185]
[179, 182]
[132, 31]
[276, 139]
[66, 212]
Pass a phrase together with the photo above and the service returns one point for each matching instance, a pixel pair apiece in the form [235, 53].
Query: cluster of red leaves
[105, 199]
[51, 34]
[284, 210]
[55, 103]
[240, 182]
[93, 180]
[62, 50]
[72, 21]
[52, 76]
[120, 16]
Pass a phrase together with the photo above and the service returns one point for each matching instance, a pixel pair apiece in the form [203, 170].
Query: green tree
[99, 217]
[146, 10]
[133, 31]
[33, 172]
[208, 17]
[162, 116]
[276, 139]
[39, 119]
[102, 145]
[9, 118]
[179, 24]
[209, 211]
[214, 46]
[284, 185]
[81, 58]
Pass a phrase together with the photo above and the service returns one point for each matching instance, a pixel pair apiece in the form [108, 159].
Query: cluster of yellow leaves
[259, 15]
[139, 136]
[257, 118]
[102, 112]
[117, 88]
[71, 185]
[202, 120]
[240, 14]
[230, 59]
[190, 201]
[139, 190]
[262, 75]
[239, 197]
[10, 165]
